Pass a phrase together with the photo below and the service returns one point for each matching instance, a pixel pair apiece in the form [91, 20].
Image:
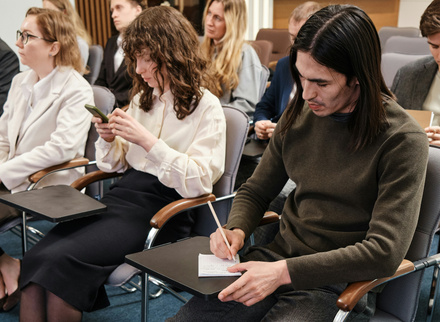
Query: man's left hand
[259, 280]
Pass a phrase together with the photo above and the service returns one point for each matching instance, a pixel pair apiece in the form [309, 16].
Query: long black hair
[343, 38]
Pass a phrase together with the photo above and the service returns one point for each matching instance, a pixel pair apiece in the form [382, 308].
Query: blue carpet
[127, 306]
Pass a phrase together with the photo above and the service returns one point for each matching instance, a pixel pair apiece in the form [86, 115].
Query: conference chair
[264, 77]
[399, 299]
[280, 39]
[237, 125]
[96, 54]
[407, 45]
[388, 31]
[392, 62]
[263, 49]
[104, 100]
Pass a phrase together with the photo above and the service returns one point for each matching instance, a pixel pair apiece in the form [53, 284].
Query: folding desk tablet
[177, 264]
[53, 203]
[254, 148]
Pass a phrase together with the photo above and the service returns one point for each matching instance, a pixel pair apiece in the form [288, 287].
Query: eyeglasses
[24, 36]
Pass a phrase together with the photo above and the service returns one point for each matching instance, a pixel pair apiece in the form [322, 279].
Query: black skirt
[75, 258]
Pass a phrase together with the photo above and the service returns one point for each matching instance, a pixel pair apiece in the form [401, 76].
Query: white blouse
[190, 153]
[432, 101]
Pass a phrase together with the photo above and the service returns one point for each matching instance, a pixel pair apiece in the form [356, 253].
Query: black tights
[38, 304]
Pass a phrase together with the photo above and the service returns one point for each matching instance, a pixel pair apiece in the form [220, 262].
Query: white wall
[12, 15]
[410, 12]
[260, 16]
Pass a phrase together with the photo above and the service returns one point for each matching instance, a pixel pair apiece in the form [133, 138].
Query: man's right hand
[218, 246]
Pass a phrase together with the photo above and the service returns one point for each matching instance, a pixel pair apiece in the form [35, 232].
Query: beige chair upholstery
[264, 50]
[280, 39]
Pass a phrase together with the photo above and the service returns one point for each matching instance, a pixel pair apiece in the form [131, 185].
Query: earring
[50, 55]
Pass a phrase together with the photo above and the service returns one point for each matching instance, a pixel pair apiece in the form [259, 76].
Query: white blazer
[56, 129]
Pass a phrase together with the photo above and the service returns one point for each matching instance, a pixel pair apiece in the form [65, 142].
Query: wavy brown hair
[57, 27]
[173, 44]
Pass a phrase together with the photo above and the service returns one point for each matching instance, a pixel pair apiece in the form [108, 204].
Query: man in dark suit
[113, 74]
[9, 67]
[417, 85]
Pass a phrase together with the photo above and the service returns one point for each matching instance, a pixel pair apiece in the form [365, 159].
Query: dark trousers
[307, 305]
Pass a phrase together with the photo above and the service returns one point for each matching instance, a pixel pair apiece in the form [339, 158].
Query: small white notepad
[210, 266]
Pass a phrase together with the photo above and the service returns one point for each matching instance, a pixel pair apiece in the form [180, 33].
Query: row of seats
[400, 46]
[96, 55]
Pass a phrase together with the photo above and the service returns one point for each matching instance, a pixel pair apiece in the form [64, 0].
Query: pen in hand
[220, 228]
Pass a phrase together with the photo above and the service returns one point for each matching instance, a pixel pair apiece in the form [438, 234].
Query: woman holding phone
[170, 144]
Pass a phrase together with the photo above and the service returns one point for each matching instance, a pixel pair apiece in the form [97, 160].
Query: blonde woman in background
[235, 64]
[82, 35]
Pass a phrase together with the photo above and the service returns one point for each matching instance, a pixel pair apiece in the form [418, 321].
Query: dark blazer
[412, 82]
[274, 101]
[9, 67]
[120, 83]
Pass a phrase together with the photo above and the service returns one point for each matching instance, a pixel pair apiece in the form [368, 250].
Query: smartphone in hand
[96, 112]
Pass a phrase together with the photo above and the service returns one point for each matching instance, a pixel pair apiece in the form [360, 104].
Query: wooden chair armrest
[354, 291]
[66, 165]
[91, 177]
[177, 206]
[268, 218]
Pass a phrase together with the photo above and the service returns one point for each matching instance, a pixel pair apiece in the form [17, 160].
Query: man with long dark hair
[359, 161]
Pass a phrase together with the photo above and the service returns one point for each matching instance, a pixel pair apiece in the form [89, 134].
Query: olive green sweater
[353, 214]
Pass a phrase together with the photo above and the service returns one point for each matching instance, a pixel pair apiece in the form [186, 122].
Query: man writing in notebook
[359, 162]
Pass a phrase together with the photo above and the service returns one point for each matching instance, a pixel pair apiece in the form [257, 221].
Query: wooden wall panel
[382, 12]
[97, 19]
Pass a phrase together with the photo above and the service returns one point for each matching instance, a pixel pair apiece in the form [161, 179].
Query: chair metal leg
[432, 294]
[24, 233]
[163, 286]
[144, 299]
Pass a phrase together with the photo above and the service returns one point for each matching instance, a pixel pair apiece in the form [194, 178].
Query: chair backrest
[264, 77]
[391, 63]
[96, 54]
[388, 31]
[104, 100]
[280, 39]
[237, 126]
[407, 45]
[400, 297]
[263, 49]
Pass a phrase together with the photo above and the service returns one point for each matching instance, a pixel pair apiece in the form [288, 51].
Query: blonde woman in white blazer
[44, 121]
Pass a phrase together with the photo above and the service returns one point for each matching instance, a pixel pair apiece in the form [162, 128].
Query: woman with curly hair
[170, 144]
[235, 64]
